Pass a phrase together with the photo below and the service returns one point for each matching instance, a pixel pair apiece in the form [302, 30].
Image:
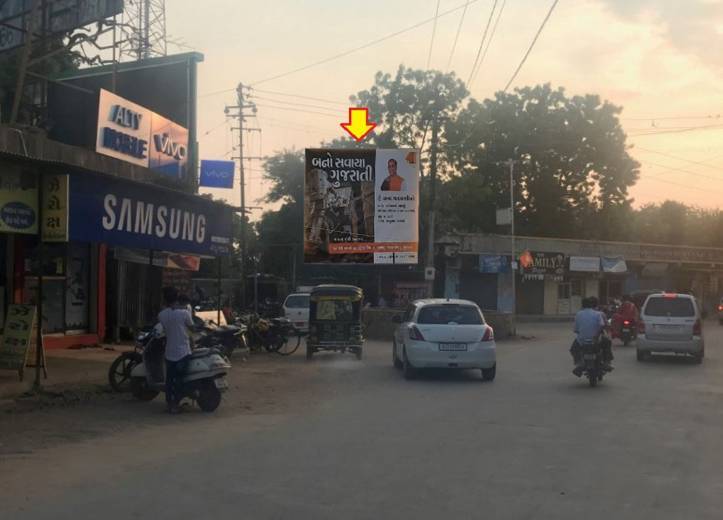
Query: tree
[280, 232]
[406, 105]
[571, 159]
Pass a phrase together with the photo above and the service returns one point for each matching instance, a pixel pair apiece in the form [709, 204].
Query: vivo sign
[133, 133]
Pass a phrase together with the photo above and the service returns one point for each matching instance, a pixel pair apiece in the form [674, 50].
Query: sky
[658, 59]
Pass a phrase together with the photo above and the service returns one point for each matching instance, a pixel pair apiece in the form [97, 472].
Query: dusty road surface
[337, 438]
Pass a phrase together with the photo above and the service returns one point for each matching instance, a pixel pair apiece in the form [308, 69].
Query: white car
[670, 323]
[296, 310]
[444, 334]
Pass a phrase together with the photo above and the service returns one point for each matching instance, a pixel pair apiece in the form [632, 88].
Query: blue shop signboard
[123, 213]
[217, 174]
[494, 264]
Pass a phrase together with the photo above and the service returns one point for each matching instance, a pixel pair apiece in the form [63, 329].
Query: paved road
[360, 442]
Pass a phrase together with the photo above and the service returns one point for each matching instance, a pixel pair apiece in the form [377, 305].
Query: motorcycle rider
[176, 322]
[590, 324]
[628, 310]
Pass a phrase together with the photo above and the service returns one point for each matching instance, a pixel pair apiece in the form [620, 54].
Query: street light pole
[513, 257]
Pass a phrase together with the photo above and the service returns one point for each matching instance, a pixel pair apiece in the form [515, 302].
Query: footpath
[83, 369]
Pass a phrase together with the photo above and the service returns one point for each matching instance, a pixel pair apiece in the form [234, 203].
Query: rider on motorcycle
[590, 324]
[627, 312]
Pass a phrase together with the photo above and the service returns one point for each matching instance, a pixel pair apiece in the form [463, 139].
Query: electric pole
[513, 257]
[432, 201]
[242, 106]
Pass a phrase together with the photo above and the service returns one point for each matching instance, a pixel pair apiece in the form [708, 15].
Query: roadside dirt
[259, 384]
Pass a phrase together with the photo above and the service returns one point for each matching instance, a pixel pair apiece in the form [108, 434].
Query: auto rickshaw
[335, 320]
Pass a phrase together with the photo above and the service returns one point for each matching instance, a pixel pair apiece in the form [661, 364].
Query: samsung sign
[122, 213]
[132, 133]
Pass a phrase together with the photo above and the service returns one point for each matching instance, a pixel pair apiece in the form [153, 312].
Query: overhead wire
[680, 131]
[678, 158]
[293, 103]
[532, 45]
[489, 41]
[456, 36]
[362, 47]
[292, 109]
[482, 42]
[310, 98]
[434, 31]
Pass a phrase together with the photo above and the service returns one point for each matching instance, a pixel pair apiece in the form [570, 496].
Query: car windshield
[450, 314]
[671, 307]
[298, 301]
[341, 310]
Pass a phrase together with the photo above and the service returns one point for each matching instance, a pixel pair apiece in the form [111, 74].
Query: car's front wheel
[395, 360]
[488, 374]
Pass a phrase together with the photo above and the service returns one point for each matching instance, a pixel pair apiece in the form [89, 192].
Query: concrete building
[555, 274]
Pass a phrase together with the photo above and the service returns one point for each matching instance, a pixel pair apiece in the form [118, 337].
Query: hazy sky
[659, 59]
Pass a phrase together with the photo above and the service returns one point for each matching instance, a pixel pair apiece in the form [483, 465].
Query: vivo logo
[219, 174]
[166, 145]
[125, 117]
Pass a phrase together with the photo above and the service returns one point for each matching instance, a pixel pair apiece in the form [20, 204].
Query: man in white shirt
[176, 323]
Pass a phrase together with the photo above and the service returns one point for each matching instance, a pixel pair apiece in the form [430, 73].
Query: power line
[434, 31]
[680, 184]
[489, 41]
[673, 169]
[362, 47]
[213, 129]
[482, 42]
[310, 98]
[293, 103]
[683, 130]
[677, 158]
[671, 118]
[456, 36]
[291, 109]
[532, 45]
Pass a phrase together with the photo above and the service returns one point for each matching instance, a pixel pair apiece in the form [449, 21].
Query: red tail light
[626, 323]
[415, 334]
[489, 334]
[641, 327]
[720, 308]
[698, 328]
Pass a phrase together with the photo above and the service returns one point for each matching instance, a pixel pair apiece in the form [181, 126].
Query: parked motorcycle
[273, 335]
[592, 357]
[226, 338]
[119, 373]
[204, 376]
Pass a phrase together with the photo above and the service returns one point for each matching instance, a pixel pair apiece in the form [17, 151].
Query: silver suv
[671, 323]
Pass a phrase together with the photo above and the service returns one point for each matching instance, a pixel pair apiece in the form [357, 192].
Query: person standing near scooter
[176, 323]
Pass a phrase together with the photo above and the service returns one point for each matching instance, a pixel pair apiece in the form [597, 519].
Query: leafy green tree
[571, 158]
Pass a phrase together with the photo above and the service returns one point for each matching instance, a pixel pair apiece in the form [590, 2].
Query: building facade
[552, 276]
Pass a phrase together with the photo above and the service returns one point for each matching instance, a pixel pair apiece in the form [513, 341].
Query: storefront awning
[615, 265]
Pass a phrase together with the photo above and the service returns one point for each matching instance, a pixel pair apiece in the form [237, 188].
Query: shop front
[553, 276]
[90, 221]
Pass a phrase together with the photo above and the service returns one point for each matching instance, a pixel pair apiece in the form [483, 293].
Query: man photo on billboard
[394, 181]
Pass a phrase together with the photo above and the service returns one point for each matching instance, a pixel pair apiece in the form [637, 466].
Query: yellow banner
[55, 208]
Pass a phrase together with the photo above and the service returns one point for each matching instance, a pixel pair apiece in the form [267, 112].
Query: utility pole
[432, 201]
[513, 257]
[242, 106]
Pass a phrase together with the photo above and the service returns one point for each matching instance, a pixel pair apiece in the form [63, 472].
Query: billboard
[57, 16]
[132, 133]
[361, 206]
[217, 174]
[164, 86]
[141, 216]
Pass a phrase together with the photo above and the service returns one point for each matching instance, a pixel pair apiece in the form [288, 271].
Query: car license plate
[453, 347]
[221, 384]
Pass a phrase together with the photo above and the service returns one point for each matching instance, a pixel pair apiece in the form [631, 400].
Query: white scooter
[204, 378]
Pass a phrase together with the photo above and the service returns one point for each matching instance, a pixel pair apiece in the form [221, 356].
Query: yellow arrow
[359, 125]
